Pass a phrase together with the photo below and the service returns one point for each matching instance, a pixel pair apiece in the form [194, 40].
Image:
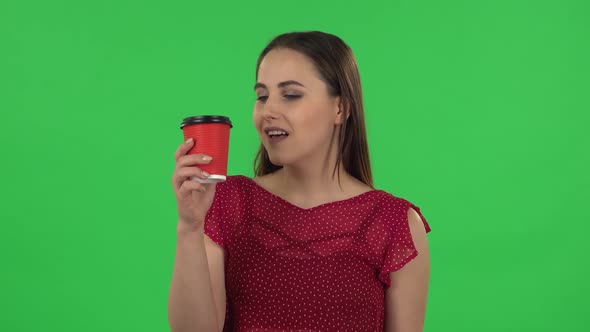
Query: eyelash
[289, 97]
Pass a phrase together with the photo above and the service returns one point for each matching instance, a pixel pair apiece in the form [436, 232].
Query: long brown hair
[337, 67]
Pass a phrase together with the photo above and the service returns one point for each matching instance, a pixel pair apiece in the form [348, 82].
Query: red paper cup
[211, 136]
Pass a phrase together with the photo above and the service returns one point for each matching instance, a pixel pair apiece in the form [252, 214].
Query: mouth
[276, 134]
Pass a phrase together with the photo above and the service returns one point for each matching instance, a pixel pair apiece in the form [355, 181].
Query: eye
[291, 97]
[262, 98]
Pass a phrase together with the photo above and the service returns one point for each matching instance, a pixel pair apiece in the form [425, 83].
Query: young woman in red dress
[308, 244]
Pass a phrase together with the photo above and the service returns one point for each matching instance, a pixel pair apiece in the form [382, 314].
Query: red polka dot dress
[320, 269]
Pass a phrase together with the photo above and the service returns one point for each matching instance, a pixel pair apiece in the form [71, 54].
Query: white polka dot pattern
[320, 269]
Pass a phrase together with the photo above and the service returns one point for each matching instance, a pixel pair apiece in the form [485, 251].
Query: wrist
[184, 228]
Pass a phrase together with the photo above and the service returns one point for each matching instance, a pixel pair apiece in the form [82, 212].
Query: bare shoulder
[260, 179]
[356, 186]
[265, 181]
[417, 226]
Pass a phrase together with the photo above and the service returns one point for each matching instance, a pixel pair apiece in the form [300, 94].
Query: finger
[193, 159]
[187, 173]
[184, 148]
[208, 187]
[189, 186]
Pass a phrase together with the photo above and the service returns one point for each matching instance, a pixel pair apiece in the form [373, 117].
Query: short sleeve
[399, 248]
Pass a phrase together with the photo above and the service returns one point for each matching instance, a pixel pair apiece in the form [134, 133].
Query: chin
[282, 158]
[276, 160]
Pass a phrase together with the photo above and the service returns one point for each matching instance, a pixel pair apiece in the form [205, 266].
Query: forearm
[190, 305]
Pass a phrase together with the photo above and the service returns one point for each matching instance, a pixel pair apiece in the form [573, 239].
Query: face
[294, 115]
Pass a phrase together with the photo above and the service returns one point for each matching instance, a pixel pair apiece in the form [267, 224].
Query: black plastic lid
[205, 119]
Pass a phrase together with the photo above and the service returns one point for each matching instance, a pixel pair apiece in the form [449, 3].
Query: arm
[197, 293]
[405, 300]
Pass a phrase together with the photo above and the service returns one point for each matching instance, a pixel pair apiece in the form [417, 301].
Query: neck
[314, 177]
[312, 182]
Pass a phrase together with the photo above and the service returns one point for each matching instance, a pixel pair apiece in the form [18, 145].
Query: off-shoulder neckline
[313, 208]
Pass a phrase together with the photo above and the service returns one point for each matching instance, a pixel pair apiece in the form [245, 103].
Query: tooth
[277, 133]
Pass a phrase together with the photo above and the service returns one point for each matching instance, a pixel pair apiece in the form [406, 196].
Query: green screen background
[476, 112]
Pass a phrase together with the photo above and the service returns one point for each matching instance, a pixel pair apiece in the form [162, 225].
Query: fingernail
[189, 141]
[205, 174]
[207, 158]
[202, 189]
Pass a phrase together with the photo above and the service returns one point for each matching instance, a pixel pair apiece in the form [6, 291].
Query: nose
[270, 110]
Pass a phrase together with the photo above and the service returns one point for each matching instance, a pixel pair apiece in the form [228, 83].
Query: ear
[342, 112]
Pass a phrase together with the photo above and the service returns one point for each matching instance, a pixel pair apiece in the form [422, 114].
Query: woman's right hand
[193, 199]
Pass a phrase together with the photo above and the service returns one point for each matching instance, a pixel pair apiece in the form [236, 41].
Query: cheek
[315, 119]
[256, 119]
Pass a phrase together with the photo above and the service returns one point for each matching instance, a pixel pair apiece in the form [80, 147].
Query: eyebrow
[280, 85]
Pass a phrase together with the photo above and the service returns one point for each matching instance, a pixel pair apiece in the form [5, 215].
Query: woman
[308, 244]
